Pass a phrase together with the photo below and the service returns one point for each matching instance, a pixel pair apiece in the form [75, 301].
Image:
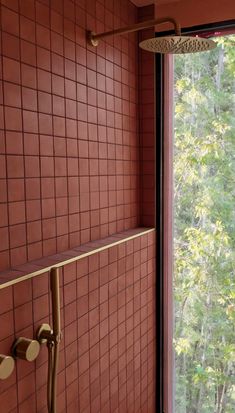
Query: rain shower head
[177, 44]
[167, 44]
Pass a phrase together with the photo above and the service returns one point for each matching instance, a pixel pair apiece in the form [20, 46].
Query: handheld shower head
[177, 44]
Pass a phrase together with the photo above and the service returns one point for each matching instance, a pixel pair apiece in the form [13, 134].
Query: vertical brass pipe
[49, 374]
[54, 378]
[55, 298]
[52, 337]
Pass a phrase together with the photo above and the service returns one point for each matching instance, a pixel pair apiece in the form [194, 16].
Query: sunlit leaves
[204, 236]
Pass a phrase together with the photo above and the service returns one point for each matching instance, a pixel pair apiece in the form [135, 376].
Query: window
[199, 180]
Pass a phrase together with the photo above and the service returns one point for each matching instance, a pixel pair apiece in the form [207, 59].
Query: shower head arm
[94, 38]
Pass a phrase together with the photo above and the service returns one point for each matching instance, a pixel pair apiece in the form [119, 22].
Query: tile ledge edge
[64, 258]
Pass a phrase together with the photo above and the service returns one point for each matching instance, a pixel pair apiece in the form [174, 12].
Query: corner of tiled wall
[147, 121]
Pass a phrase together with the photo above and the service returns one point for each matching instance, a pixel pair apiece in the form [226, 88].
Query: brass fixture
[26, 349]
[44, 333]
[166, 44]
[7, 365]
[51, 337]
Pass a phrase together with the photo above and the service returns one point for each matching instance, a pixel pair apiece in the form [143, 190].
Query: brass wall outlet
[44, 334]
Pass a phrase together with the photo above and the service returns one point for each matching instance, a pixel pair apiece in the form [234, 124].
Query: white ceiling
[141, 3]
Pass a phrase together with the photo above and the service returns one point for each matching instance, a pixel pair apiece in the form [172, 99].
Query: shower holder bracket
[44, 334]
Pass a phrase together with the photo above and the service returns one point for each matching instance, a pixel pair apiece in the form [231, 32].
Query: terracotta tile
[56, 22]
[12, 95]
[33, 210]
[16, 213]
[70, 313]
[57, 45]
[44, 102]
[17, 235]
[58, 106]
[30, 121]
[60, 166]
[32, 187]
[23, 316]
[43, 36]
[62, 224]
[31, 166]
[34, 232]
[43, 59]
[6, 301]
[28, 74]
[12, 4]
[59, 126]
[14, 143]
[10, 46]
[27, 8]
[26, 387]
[44, 80]
[49, 228]
[29, 99]
[45, 124]
[58, 86]
[28, 52]
[2, 167]
[48, 208]
[6, 325]
[27, 29]
[70, 69]
[42, 14]
[3, 215]
[13, 119]
[9, 399]
[28, 405]
[47, 166]
[15, 166]
[40, 308]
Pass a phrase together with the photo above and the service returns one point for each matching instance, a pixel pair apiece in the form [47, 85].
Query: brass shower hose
[53, 359]
[52, 338]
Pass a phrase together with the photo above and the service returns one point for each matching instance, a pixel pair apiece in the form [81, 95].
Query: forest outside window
[200, 172]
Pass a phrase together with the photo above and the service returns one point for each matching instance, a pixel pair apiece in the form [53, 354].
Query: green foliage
[204, 233]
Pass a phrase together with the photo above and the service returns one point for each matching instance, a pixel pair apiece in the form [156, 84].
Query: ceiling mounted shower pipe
[166, 44]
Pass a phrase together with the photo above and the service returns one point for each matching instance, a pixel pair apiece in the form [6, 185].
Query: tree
[204, 233]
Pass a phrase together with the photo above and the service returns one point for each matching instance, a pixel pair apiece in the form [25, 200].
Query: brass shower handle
[26, 349]
[7, 365]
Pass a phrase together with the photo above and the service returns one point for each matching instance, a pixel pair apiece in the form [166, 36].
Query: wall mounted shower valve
[7, 365]
[26, 349]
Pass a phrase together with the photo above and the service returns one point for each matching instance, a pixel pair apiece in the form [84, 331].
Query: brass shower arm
[94, 38]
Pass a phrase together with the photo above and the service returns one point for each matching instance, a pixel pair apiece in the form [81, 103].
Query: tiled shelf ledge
[43, 265]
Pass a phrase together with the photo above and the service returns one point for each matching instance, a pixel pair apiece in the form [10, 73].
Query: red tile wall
[69, 119]
[107, 355]
[74, 167]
